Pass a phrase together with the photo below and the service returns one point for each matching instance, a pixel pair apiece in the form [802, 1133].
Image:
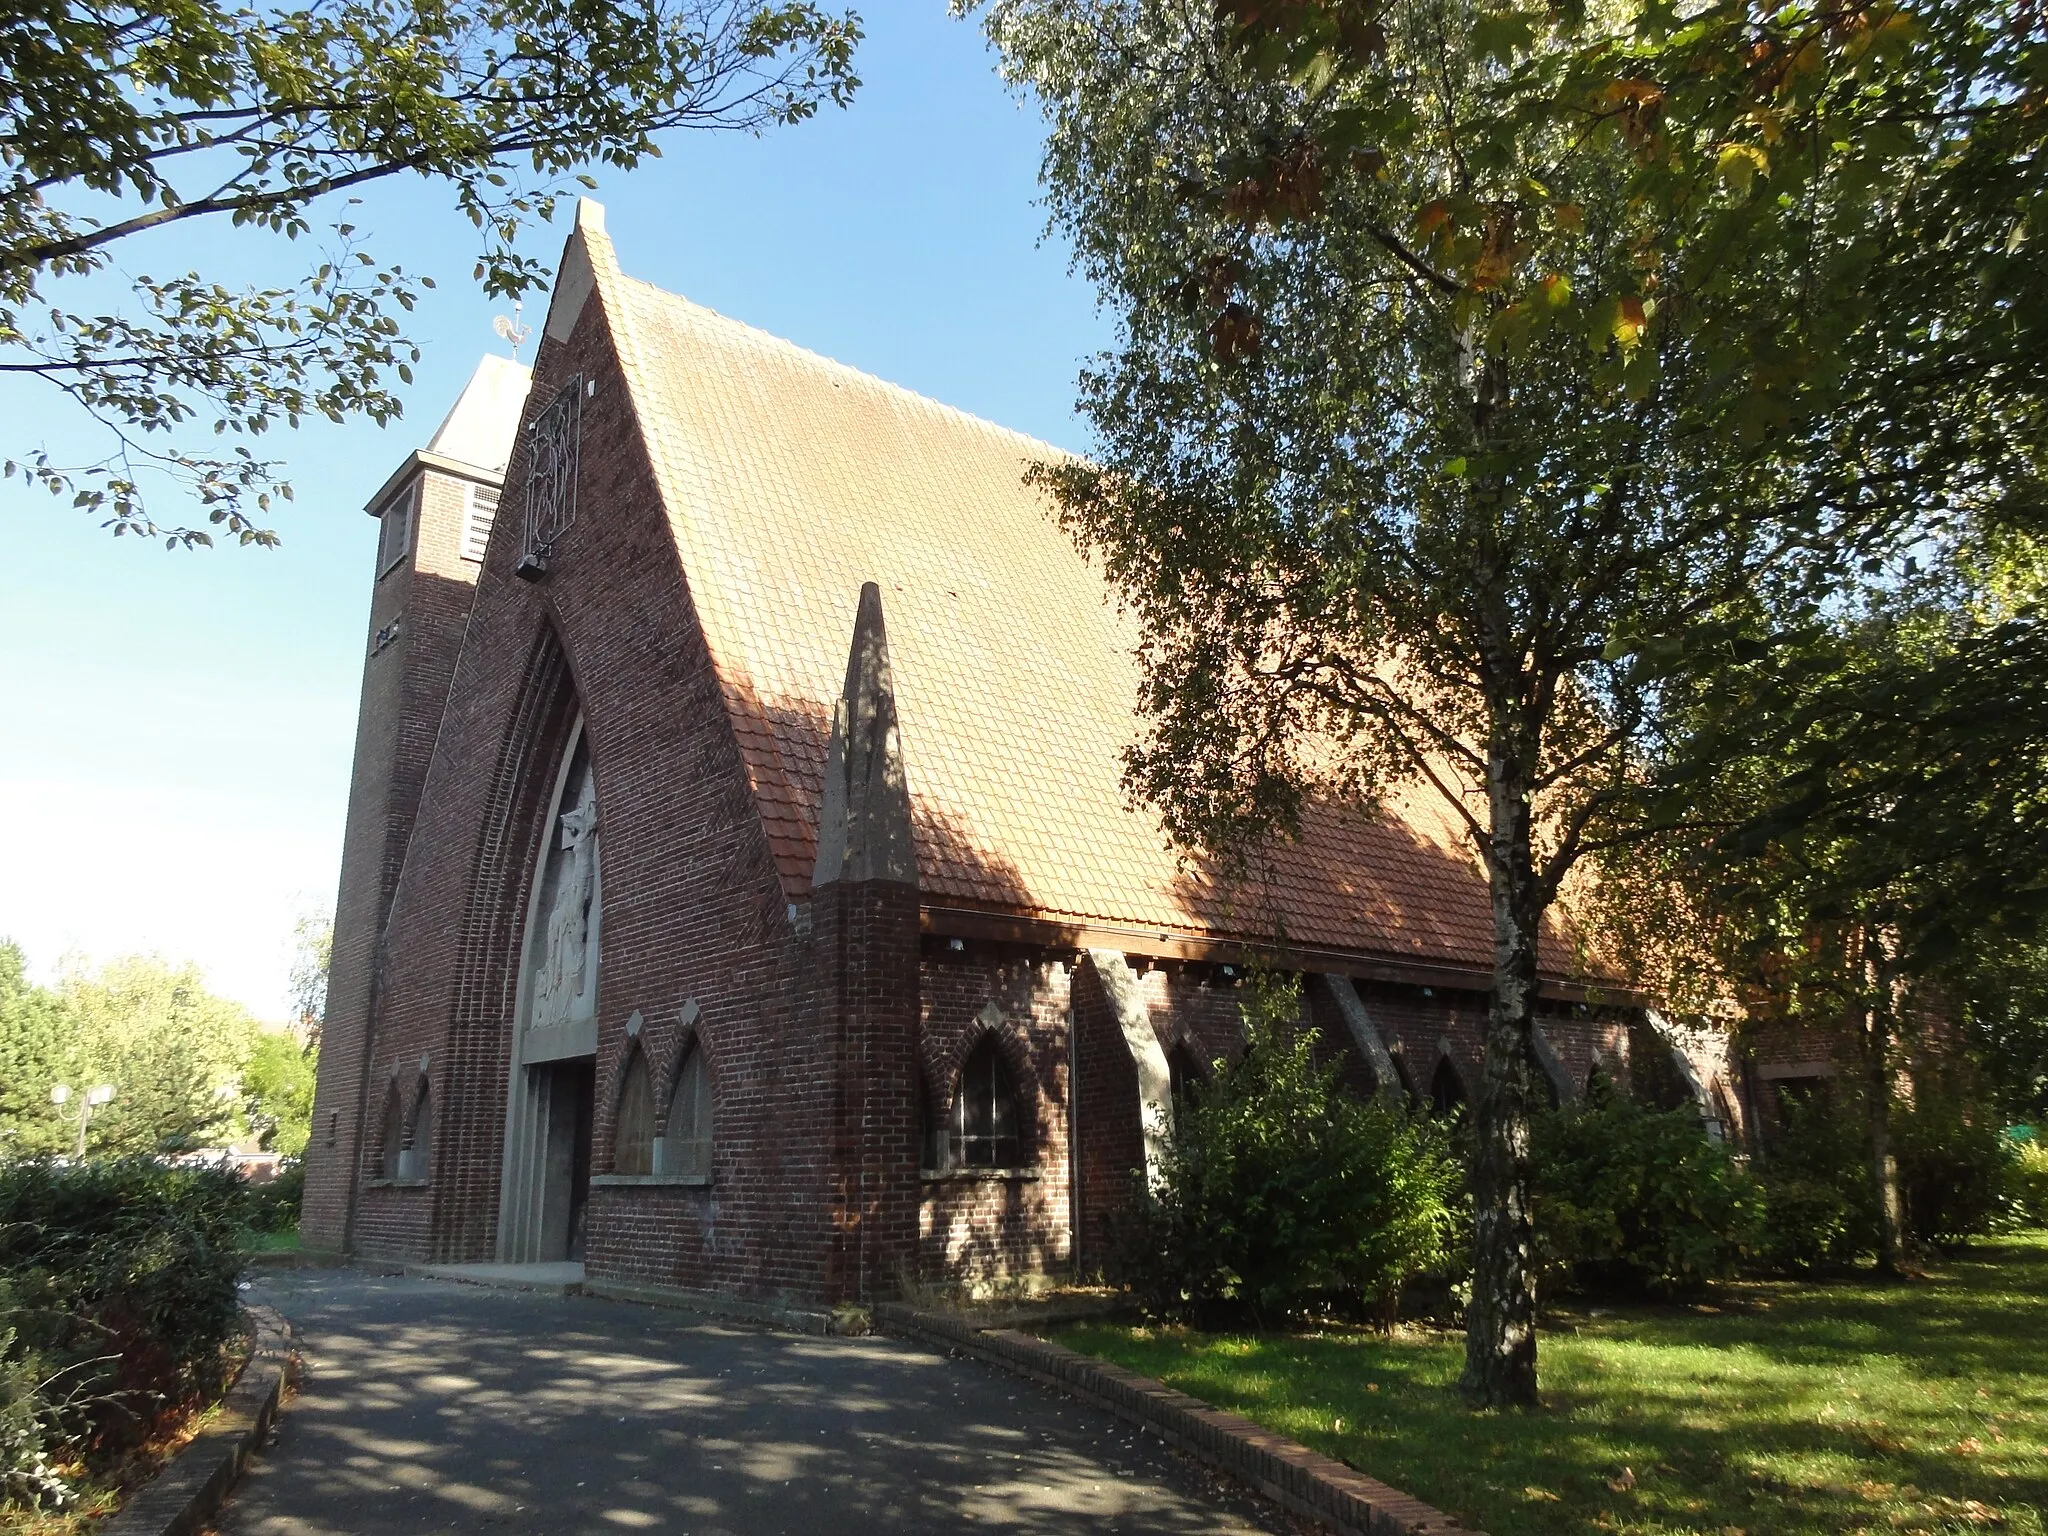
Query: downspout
[1073, 1134]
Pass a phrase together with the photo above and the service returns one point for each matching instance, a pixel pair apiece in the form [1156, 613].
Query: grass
[286, 1241]
[1777, 1409]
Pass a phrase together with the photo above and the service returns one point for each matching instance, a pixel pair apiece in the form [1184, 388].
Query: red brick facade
[419, 607]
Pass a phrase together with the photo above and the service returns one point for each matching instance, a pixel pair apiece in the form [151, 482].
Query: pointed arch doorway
[551, 1095]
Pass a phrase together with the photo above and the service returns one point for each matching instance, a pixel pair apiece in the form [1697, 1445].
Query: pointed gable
[791, 482]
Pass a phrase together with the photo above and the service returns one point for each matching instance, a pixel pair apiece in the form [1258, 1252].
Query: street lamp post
[97, 1097]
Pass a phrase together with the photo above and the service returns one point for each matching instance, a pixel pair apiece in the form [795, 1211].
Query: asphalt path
[432, 1406]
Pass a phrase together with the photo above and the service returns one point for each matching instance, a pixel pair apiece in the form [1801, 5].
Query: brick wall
[406, 672]
[867, 935]
[973, 1227]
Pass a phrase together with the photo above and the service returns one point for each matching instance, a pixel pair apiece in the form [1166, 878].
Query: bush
[123, 1279]
[1821, 1202]
[2023, 1194]
[1280, 1188]
[1638, 1199]
[274, 1205]
[1953, 1156]
[1820, 1211]
[28, 1426]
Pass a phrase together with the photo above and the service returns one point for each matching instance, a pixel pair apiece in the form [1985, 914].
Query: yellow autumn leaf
[1739, 165]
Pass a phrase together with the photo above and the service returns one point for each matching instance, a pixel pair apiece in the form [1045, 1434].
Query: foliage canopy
[189, 1068]
[1482, 368]
[118, 121]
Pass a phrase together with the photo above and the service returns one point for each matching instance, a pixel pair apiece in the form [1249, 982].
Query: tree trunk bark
[1884, 1165]
[1500, 1322]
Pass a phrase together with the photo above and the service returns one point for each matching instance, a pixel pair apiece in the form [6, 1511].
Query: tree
[188, 1068]
[2004, 999]
[1475, 376]
[312, 950]
[172, 1050]
[124, 119]
[277, 1091]
[1857, 807]
[38, 1049]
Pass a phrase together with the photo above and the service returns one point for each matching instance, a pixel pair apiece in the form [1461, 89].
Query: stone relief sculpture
[564, 980]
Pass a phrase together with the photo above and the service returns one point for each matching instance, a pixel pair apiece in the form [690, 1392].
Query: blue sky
[178, 727]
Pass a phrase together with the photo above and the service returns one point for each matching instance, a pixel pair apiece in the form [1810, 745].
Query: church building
[739, 890]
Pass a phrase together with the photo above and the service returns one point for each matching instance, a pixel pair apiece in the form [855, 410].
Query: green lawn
[271, 1242]
[1782, 1408]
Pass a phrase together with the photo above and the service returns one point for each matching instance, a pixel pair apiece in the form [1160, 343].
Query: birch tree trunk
[1884, 1163]
[1500, 1323]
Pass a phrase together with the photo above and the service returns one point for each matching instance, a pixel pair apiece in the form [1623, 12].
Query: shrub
[274, 1206]
[1821, 1202]
[1953, 1156]
[27, 1428]
[1280, 1188]
[1637, 1198]
[2023, 1195]
[1820, 1211]
[123, 1276]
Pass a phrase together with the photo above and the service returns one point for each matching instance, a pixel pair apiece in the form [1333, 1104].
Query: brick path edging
[195, 1482]
[1300, 1480]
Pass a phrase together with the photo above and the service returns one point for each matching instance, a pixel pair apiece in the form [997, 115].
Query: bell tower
[434, 518]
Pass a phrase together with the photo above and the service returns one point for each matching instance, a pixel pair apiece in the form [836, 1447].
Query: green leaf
[1500, 35]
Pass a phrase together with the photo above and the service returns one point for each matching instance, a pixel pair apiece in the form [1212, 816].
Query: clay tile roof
[791, 479]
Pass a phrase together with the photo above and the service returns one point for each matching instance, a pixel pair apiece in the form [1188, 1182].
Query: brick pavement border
[194, 1484]
[1300, 1480]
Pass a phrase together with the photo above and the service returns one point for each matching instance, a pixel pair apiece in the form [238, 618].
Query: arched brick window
[1447, 1090]
[392, 1162]
[633, 1136]
[1724, 1109]
[408, 1134]
[1409, 1096]
[987, 1130]
[419, 1139]
[686, 1146]
[1184, 1074]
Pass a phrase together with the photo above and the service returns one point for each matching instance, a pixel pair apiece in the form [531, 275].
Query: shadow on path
[427, 1406]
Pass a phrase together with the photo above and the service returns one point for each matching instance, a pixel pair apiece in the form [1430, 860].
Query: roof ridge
[833, 365]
